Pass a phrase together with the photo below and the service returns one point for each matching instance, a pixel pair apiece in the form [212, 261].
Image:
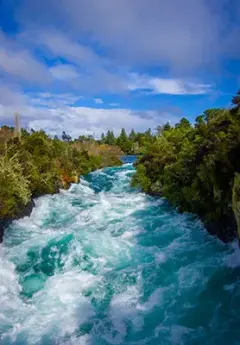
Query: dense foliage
[37, 165]
[133, 143]
[194, 167]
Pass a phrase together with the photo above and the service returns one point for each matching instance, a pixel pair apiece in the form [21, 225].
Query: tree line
[132, 143]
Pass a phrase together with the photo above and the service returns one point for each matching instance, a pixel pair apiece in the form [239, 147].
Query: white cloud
[55, 118]
[11, 96]
[83, 120]
[90, 72]
[100, 43]
[180, 35]
[59, 44]
[52, 100]
[85, 70]
[64, 72]
[167, 86]
[178, 87]
[20, 63]
[98, 101]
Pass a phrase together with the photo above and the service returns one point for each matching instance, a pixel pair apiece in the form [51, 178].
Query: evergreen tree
[110, 138]
[148, 133]
[132, 135]
[103, 138]
[123, 135]
[123, 142]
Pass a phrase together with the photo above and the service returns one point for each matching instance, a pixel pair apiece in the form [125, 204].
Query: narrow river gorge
[103, 263]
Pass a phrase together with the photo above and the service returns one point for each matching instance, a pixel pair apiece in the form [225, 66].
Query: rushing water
[105, 264]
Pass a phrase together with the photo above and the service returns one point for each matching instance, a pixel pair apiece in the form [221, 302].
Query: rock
[225, 228]
[236, 201]
[23, 212]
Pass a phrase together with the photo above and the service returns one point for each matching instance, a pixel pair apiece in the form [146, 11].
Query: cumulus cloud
[55, 113]
[85, 120]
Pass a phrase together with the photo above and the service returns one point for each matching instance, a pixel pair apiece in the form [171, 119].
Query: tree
[236, 103]
[199, 120]
[148, 133]
[24, 133]
[90, 137]
[161, 129]
[123, 142]
[210, 114]
[103, 138]
[123, 135]
[110, 138]
[132, 135]
[66, 137]
[184, 123]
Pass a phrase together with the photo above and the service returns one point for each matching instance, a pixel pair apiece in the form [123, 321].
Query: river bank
[38, 165]
[195, 166]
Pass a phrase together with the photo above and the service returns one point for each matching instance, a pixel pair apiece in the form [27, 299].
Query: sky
[86, 66]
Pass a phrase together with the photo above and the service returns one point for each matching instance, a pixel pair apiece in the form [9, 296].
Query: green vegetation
[194, 167]
[39, 165]
[134, 143]
[14, 190]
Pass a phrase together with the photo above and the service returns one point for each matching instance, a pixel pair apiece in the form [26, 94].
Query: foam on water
[103, 263]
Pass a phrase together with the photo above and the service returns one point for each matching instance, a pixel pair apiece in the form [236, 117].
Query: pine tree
[123, 142]
[103, 138]
[123, 135]
[110, 138]
[132, 135]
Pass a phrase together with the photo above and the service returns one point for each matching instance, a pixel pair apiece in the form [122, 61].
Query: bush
[14, 187]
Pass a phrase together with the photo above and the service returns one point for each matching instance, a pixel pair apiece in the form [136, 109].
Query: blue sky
[88, 66]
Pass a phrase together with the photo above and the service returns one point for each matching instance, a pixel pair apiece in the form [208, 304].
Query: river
[103, 264]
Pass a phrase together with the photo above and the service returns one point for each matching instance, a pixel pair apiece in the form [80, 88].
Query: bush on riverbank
[194, 166]
[39, 165]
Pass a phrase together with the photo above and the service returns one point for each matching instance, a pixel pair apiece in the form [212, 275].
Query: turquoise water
[103, 263]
